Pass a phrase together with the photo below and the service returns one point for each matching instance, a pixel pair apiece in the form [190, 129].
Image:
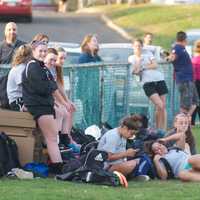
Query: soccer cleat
[122, 179]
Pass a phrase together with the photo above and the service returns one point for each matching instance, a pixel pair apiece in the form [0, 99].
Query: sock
[64, 139]
[56, 168]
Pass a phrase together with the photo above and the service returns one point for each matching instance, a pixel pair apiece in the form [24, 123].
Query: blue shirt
[182, 64]
[87, 58]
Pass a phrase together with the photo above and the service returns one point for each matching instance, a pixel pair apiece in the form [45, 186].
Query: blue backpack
[38, 169]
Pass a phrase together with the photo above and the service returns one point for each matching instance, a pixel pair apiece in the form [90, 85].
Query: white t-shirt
[14, 84]
[148, 75]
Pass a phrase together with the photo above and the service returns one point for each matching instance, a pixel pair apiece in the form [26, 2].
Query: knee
[67, 114]
[59, 112]
[194, 160]
[51, 138]
[160, 107]
[183, 176]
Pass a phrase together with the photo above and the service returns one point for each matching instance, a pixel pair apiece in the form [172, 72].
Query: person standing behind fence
[14, 84]
[152, 79]
[9, 44]
[184, 74]
[196, 72]
[88, 78]
[148, 44]
[39, 90]
[90, 48]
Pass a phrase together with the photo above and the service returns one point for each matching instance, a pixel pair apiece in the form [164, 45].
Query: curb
[116, 28]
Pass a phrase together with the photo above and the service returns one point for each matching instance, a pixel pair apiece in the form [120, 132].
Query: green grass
[49, 189]
[162, 21]
[196, 132]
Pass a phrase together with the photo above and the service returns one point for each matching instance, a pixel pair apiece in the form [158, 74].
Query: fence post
[101, 93]
[126, 90]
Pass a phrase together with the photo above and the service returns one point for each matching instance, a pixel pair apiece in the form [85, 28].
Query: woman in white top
[14, 85]
[152, 79]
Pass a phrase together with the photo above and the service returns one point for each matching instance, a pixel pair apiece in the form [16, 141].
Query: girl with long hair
[14, 85]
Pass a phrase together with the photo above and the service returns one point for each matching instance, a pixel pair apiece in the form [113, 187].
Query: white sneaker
[22, 174]
[142, 178]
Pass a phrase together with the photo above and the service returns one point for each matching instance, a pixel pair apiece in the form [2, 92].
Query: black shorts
[158, 87]
[38, 111]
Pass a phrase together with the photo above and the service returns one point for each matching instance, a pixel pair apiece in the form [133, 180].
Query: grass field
[49, 189]
[162, 21]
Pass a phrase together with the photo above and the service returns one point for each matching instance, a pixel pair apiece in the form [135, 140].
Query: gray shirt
[177, 160]
[14, 84]
[113, 142]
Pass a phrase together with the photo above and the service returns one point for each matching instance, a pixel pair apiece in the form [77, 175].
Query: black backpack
[92, 171]
[8, 154]
[79, 136]
[4, 103]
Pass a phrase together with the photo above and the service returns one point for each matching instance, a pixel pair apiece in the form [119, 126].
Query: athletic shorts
[38, 111]
[188, 94]
[157, 87]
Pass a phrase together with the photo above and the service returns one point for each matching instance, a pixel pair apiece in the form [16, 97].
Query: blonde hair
[22, 55]
[197, 47]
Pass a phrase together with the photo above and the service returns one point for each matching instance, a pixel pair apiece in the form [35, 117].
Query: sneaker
[22, 174]
[142, 178]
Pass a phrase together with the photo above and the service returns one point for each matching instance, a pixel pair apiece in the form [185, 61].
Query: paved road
[65, 27]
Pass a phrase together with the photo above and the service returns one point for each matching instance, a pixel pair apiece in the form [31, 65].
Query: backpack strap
[175, 148]
[32, 61]
[170, 174]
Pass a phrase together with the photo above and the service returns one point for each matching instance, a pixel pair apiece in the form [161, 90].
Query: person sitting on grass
[182, 164]
[181, 135]
[114, 143]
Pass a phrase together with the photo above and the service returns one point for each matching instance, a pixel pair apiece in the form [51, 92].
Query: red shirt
[196, 67]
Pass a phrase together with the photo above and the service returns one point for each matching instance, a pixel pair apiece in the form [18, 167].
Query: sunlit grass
[162, 21]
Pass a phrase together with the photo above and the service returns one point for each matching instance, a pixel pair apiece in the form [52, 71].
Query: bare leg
[155, 98]
[125, 168]
[195, 162]
[59, 116]
[189, 175]
[67, 121]
[164, 112]
[48, 126]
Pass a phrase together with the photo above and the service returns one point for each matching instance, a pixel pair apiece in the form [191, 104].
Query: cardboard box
[22, 128]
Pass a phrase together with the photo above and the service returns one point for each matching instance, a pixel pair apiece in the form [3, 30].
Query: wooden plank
[16, 131]
[15, 114]
[17, 122]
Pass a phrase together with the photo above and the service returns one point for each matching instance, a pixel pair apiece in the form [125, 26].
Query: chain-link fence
[107, 92]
